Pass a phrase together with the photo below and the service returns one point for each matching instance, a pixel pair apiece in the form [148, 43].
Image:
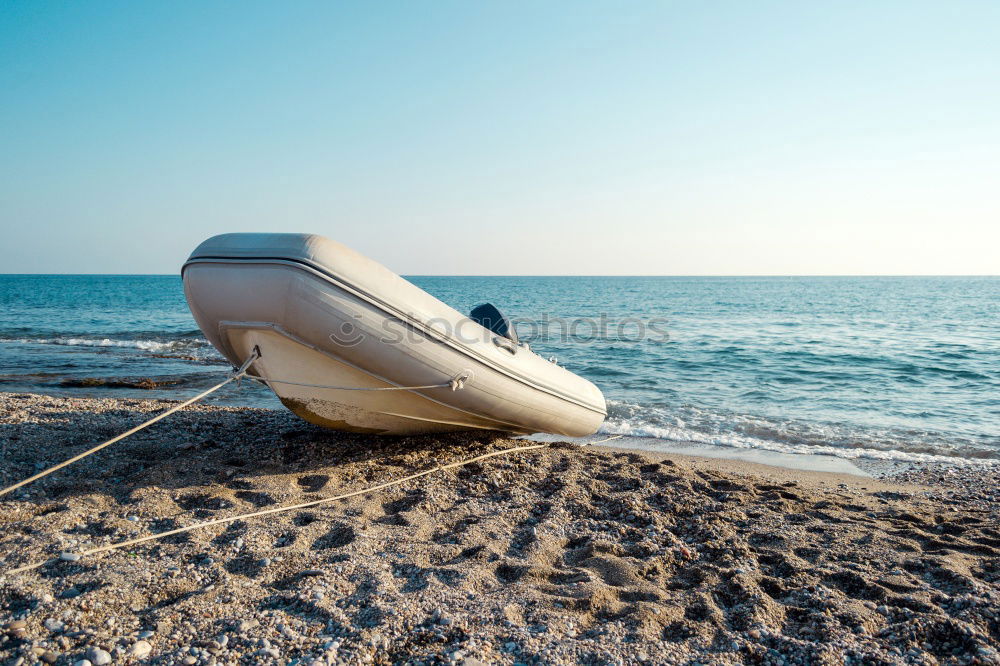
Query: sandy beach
[561, 555]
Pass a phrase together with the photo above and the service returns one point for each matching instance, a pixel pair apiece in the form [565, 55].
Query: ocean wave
[780, 437]
[144, 345]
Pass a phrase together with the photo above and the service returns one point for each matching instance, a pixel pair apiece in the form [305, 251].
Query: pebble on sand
[140, 649]
[98, 657]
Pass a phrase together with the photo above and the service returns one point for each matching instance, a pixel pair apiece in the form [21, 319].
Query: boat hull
[327, 317]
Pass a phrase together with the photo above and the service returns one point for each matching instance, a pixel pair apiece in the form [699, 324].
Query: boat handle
[505, 344]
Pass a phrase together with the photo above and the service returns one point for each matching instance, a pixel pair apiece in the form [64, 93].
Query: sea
[883, 368]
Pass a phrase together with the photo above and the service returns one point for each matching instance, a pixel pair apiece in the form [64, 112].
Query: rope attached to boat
[73, 557]
[232, 377]
[455, 384]
[601, 441]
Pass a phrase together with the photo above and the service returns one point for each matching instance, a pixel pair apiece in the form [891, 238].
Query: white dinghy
[348, 344]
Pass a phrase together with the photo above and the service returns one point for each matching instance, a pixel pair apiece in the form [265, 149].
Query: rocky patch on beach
[561, 555]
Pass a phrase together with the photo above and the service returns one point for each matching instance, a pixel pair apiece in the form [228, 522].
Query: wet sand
[562, 555]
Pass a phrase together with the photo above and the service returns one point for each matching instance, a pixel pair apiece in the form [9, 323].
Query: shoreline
[568, 554]
[801, 462]
[806, 462]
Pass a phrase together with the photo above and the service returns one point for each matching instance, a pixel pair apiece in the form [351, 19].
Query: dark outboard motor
[489, 317]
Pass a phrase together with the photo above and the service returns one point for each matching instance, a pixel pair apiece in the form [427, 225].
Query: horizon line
[595, 275]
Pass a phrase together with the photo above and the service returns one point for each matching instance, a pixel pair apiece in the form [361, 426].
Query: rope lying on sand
[243, 371]
[455, 384]
[606, 439]
[254, 514]
[233, 377]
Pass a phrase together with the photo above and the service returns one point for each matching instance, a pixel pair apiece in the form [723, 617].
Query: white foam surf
[144, 345]
[651, 422]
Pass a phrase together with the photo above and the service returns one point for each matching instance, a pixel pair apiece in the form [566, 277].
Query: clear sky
[658, 138]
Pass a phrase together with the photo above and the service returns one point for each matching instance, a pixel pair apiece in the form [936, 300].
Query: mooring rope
[606, 439]
[265, 512]
[455, 384]
[232, 377]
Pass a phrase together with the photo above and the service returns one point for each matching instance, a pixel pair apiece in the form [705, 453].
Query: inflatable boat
[348, 344]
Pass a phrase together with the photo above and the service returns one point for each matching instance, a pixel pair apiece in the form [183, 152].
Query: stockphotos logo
[543, 330]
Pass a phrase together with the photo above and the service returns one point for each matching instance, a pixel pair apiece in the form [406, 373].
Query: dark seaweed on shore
[119, 382]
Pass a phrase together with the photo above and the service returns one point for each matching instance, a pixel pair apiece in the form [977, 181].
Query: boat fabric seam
[388, 309]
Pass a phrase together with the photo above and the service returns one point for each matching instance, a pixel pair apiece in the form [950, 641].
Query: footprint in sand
[339, 536]
[257, 498]
[313, 482]
[203, 505]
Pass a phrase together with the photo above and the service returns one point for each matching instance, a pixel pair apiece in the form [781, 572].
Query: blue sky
[656, 138]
